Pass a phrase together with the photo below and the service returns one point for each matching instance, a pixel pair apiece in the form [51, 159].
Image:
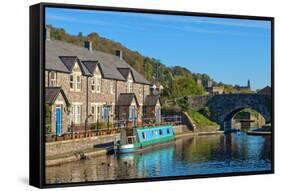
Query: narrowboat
[136, 139]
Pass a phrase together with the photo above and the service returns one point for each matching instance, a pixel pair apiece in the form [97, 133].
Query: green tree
[185, 85]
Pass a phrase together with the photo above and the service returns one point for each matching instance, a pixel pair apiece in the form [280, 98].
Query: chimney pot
[119, 54]
[88, 45]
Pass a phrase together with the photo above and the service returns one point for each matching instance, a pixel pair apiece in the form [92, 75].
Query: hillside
[177, 81]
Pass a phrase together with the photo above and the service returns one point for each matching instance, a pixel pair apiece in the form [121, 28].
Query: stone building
[56, 101]
[152, 107]
[243, 89]
[127, 107]
[265, 91]
[90, 84]
[215, 90]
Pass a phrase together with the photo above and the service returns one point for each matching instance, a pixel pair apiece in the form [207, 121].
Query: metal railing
[80, 134]
[83, 130]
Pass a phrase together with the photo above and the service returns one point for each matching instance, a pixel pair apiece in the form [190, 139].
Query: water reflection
[236, 152]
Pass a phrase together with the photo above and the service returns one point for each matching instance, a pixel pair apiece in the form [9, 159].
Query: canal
[236, 152]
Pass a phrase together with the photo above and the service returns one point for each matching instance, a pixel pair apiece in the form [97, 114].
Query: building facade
[92, 84]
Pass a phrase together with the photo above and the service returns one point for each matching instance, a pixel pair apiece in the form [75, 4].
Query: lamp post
[86, 123]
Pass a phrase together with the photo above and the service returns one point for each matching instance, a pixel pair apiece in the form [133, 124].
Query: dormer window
[96, 84]
[52, 79]
[93, 85]
[71, 82]
[75, 82]
[78, 82]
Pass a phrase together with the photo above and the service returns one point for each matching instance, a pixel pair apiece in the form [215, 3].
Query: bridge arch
[223, 107]
[228, 120]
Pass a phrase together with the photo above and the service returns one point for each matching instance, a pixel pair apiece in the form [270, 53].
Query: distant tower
[248, 84]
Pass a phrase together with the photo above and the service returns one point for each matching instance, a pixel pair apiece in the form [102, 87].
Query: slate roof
[51, 94]
[69, 62]
[60, 56]
[125, 99]
[265, 91]
[124, 72]
[151, 100]
[90, 65]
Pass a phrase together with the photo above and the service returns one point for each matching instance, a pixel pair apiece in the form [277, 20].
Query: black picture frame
[37, 80]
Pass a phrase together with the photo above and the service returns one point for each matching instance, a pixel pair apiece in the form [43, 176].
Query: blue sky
[229, 50]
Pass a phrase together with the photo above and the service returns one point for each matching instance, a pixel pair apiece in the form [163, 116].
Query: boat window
[143, 135]
[168, 131]
[152, 133]
[160, 131]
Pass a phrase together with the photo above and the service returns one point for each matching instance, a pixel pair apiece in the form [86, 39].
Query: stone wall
[198, 102]
[180, 129]
[223, 107]
[88, 98]
[60, 102]
[123, 112]
[74, 97]
[69, 146]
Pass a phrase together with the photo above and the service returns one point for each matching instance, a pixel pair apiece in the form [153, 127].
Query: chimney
[88, 45]
[48, 33]
[119, 54]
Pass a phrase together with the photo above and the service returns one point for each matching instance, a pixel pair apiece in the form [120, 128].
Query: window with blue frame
[105, 112]
[143, 135]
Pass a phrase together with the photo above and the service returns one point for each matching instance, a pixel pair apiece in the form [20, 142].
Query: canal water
[236, 152]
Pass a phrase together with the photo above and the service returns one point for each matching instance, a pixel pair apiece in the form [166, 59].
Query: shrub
[205, 111]
[48, 114]
[101, 125]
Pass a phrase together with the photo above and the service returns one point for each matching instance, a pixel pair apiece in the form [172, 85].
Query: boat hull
[123, 149]
[148, 136]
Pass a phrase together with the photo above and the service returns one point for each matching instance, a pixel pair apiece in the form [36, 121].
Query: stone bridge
[223, 107]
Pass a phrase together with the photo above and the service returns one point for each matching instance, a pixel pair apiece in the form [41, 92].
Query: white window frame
[78, 114]
[52, 81]
[98, 84]
[129, 86]
[71, 82]
[93, 108]
[75, 116]
[75, 82]
[98, 111]
[93, 85]
[78, 82]
[97, 115]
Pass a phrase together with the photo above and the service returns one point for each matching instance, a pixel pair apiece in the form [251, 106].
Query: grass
[202, 123]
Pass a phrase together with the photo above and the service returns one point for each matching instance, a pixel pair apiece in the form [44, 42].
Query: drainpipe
[48, 80]
[116, 110]
[87, 102]
[115, 92]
